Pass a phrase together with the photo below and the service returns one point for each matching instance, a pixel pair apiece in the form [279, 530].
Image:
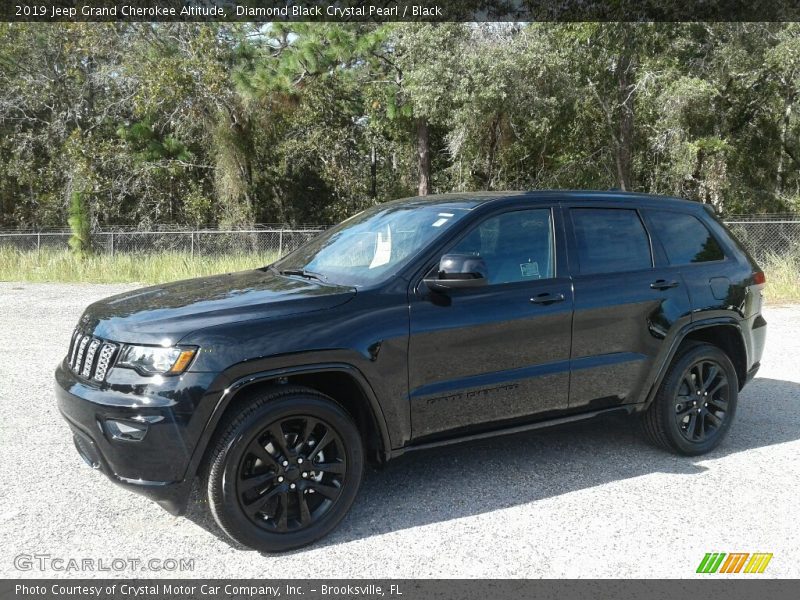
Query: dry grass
[62, 266]
[783, 278]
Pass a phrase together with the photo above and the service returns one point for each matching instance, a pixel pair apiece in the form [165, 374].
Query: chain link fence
[761, 234]
[195, 243]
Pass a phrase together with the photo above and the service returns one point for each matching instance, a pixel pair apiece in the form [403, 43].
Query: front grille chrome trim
[89, 362]
[76, 366]
[73, 347]
[106, 354]
[90, 357]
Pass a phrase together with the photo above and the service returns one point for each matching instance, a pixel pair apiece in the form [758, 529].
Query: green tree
[301, 122]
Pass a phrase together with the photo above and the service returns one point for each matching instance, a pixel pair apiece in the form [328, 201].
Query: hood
[155, 314]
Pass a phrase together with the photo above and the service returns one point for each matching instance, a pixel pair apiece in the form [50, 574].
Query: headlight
[152, 360]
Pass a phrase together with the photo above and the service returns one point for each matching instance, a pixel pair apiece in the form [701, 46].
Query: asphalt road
[586, 500]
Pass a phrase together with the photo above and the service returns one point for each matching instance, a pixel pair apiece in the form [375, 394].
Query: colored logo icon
[737, 562]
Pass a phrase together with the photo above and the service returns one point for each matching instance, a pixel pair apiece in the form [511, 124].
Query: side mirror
[457, 271]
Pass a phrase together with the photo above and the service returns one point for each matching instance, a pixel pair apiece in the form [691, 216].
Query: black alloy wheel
[702, 400]
[284, 469]
[291, 473]
[696, 401]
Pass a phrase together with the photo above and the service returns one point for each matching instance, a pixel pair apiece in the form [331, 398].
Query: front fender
[235, 385]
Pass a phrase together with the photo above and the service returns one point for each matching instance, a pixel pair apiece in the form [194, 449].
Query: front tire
[696, 402]
[285, 470]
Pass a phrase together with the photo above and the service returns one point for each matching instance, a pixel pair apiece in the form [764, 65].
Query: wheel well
[728, 339]
[340, 386]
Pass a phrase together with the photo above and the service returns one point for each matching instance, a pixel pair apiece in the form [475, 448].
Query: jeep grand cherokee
[415, 323]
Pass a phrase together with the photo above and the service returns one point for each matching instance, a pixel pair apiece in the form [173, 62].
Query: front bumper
[172, 412]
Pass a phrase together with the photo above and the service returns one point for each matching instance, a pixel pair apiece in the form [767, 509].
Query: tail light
[759, 278]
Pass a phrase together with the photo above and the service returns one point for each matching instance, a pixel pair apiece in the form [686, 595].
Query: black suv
[415, 323]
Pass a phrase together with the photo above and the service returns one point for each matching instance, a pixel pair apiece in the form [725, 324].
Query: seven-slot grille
[89, 356]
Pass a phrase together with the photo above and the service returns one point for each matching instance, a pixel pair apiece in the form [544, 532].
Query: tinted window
[610, 239]
[684, 237]
[517, 246]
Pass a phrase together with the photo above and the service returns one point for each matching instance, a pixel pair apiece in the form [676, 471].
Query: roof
[474, 199]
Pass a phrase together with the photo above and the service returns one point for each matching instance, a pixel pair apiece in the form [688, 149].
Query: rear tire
[285, 469]
[696, 402]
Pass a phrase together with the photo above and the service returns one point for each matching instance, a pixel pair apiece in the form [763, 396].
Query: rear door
[717, 273]
[482, 356]
[627, 301]
[714, 282]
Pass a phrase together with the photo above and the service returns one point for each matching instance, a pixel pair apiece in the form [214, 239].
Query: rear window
[610, 240]
[685, 238]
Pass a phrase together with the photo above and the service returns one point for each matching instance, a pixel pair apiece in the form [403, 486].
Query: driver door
[486, 356]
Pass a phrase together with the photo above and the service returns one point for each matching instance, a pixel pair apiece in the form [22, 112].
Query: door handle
[663, 284]
[547, 298]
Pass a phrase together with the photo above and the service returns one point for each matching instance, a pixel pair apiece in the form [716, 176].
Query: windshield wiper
[303, 273]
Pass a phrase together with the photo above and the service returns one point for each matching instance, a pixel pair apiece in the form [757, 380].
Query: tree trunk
[423, 156]
[493, 141]
[373, 173]
[780, 178]
[625, 96]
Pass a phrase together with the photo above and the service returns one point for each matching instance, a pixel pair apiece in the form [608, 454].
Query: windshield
[369, 247]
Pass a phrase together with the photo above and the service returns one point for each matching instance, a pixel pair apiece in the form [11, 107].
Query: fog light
[126, 430]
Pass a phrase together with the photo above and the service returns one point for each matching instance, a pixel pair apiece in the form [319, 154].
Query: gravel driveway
[586, 500]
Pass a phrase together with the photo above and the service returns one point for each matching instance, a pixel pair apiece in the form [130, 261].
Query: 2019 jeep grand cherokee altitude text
[414, 323]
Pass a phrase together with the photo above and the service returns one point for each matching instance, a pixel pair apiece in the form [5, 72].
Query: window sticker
[530, 270]
[443, 218]
[383, 249]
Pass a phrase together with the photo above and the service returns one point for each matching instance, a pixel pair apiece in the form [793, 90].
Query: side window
[610, 240]
[517, 245]
[684, 237]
